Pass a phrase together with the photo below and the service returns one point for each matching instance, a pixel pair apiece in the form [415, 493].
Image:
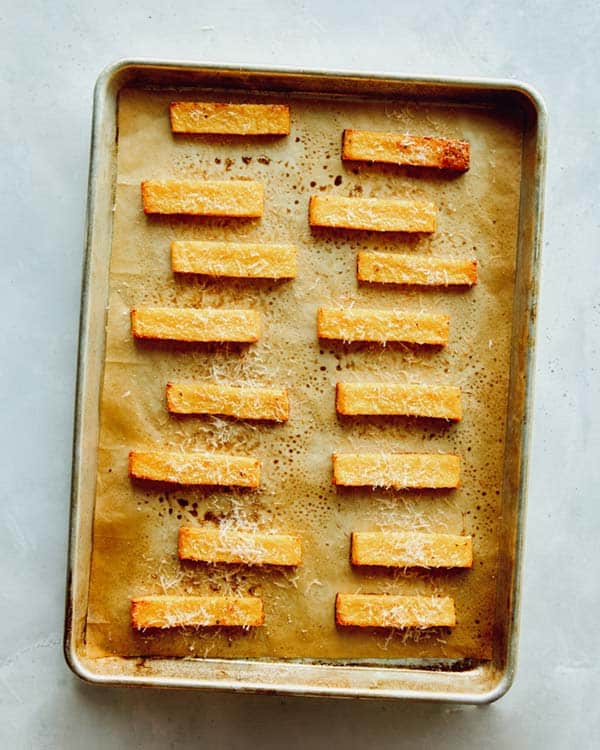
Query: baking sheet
[135, 527]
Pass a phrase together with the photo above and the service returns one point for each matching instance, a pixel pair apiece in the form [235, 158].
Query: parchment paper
[135, 529]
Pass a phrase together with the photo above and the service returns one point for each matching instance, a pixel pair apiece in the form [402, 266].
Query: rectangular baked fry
[246, 402]
[405, 549]
[417, 270]
[236, 259]
[234, 198]
[375, 214]
[196, 611]
[206, 324]
[230, 119]
[397, 470]
[368, 324]
[410, 399]
[195, 468]
[411, 150]
[389, 611]
[232, 546]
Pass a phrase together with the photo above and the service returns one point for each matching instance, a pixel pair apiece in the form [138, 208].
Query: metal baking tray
[464, 681]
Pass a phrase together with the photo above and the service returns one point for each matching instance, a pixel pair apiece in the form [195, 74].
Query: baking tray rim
[74, 659]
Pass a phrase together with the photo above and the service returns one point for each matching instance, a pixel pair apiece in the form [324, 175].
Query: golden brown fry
[235, 259]
[411, 399]
[232, 546]
[418, 270]
[207, 324]
[230, 119]
[397, 470]
[232, 401]
[236, 198]
[196, 611]
[195, 468]
[375, 214]
[406, 549]
[412, 150]
[366, 324]
[388, 611]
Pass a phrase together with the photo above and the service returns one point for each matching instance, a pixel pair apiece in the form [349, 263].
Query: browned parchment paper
[135, 530]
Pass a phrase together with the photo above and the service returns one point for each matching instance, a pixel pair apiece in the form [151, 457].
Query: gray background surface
[51, 54]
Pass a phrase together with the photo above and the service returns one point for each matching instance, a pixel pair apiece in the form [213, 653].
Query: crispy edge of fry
[161, 611]
[346, 392]
[280, 411]
[276, 117]
[248, 465]
[360, 555]
[285, 549]
[446, 611]
[451, 484]
[453, 278]
[454, 154]
[253, 322]
[150, 199]
[436, 339]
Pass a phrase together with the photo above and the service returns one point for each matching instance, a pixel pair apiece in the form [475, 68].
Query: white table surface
[50, 56]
